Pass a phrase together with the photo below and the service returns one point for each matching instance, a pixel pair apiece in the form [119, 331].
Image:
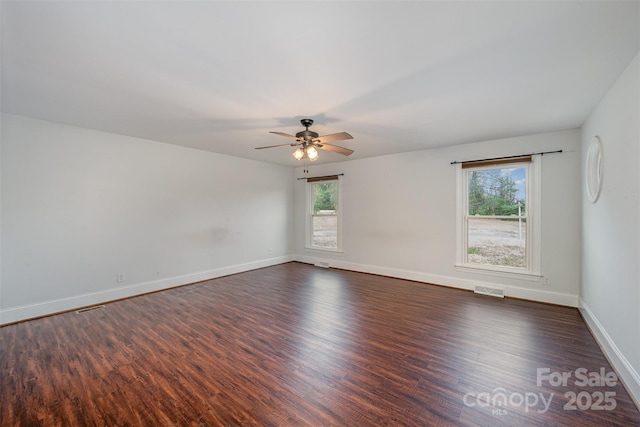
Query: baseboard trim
[449, 281]
[47, 308]
[629, 376]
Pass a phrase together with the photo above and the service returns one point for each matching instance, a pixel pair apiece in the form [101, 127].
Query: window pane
[497, 191]
[325, 231]
[325, 197]
[497, 242]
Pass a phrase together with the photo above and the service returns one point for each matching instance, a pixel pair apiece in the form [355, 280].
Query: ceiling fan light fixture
[312, 153]
[298, 154]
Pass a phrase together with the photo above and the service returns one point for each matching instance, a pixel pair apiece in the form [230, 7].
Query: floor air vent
[323, 264]
[493, 292]
[84, 310]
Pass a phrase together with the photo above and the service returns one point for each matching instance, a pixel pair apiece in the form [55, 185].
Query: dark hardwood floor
[294, 345]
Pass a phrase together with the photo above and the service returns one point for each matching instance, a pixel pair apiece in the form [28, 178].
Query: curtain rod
[508, 157]
[319, 177]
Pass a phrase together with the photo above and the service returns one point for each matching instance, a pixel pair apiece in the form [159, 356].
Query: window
[323, 223]
[498, 210]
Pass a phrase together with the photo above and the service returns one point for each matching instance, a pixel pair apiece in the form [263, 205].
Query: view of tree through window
[325, 197]
[496, 221]
[324, 218]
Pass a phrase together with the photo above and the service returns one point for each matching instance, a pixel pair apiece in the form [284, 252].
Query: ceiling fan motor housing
[307, 135]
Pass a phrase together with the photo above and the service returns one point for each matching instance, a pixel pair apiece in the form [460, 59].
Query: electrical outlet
[270, 251]
[545, 281]
[120, 277]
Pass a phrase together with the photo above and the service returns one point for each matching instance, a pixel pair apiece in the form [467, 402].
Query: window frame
[310, 216]
[533, 215]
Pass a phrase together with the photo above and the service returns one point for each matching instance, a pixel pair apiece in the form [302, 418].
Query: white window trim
[309, 222]
[534, 234]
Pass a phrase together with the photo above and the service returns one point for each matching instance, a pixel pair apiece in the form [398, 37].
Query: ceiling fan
[309, 141]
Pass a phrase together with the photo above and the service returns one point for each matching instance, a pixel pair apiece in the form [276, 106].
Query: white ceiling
[399, 76]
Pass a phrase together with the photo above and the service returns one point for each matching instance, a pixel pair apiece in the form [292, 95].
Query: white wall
[400, 215]
[610, 288]
[80, 207]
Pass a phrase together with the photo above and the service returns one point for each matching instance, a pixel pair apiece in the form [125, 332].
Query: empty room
[320, 213]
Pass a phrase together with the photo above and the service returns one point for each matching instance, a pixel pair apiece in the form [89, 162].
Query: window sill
[521, 275]
[323, 250]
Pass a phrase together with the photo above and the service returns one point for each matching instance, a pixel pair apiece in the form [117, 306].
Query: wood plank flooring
[297, 345]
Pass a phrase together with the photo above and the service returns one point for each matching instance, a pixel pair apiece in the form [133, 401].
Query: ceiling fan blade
[285, 134]
[272, 146]
[335, 149]
[340, 136]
